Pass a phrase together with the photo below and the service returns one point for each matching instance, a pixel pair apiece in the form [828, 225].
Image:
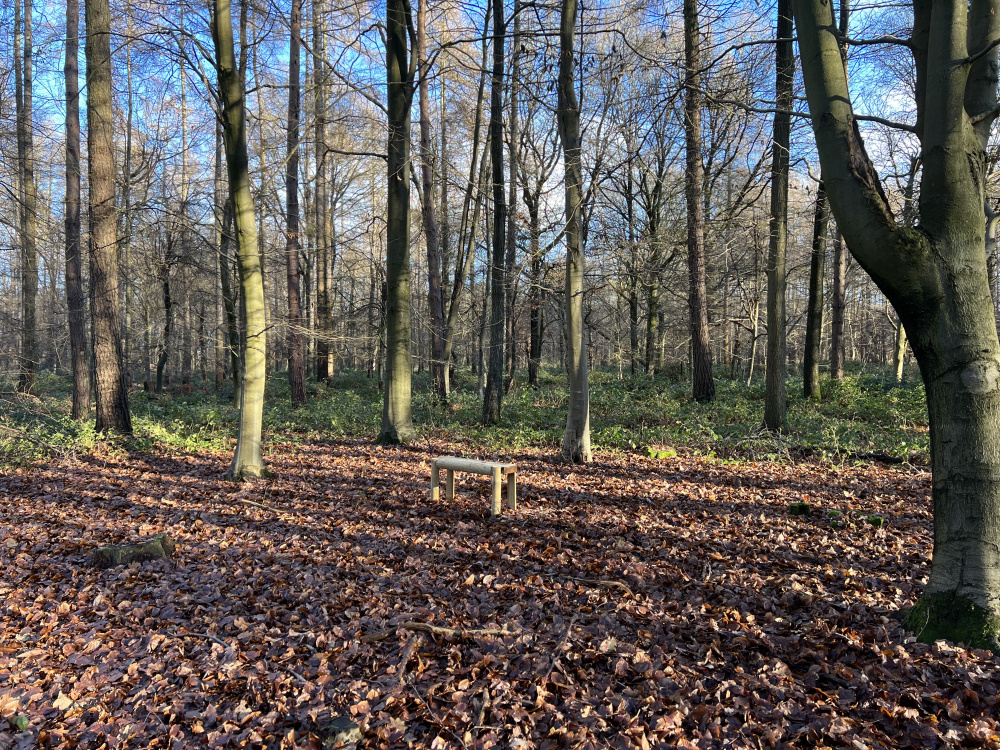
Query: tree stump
[160, 546]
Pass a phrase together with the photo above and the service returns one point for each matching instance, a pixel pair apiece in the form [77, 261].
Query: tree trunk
[703, 385]
[814, 315]
[899, 352]
[247, 459]
[493, 393]
[224, 205]
[467, 229]
[163, 346]
[576, 437]
[935, 276]
[75, 305]
[397, 419]
[776, 367]
[112, 395]
[536, 321]
[322, 197]
[514, 141]
[27, 195]
[296, 346]
[838, 306]
[434, 299]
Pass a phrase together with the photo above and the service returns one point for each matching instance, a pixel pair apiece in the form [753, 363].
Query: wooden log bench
[494, 469]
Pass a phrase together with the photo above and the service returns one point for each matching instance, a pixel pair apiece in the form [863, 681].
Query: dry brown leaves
[649, 604]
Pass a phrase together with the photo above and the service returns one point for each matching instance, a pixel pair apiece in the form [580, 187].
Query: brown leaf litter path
[631, 603]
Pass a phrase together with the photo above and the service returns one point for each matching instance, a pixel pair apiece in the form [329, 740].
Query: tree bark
[397, 419]
[493, 394]
[935, 277]
[703, 384]
[75, 304]
[296, 346]
[112, 395]
[27, 194]
[247, 459]
[576, 437]
[838, 303]
[814, 315]
[776, 366]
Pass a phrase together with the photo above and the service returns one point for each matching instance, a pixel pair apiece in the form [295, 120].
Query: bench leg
[495, 508]
[435, 480]
[512, 491]
[450, 484]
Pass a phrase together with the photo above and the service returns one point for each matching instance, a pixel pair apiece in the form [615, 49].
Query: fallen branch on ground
[423, 627]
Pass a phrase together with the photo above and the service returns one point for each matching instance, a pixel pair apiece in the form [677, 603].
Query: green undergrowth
[865, 417]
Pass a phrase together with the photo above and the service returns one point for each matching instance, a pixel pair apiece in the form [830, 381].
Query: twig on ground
[292, 672]
[265, 507]
[423, 627]
[604, 582]
[434, 716]
[477, 724]
[209, 636]
[414, 642]
[555, 652]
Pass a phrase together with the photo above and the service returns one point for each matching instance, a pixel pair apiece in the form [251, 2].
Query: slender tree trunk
[467, 229]
[814, 316]
[703, 385]
[296, 346]
[434, 299]
[163, 346]
[576, 437]
[75, 304]
[225, 207]
[493, 393]
[247, 459]
[838, 303]
[397, 419]
[27, 198]
[112, 395]
[514, 141]
[536, 321]
[776, 367]
[322, 194]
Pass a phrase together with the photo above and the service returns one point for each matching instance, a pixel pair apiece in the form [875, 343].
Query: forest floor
[646, 603]
[642, 603]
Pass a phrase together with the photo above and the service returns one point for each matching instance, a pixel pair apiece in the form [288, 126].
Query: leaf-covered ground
[647, 603]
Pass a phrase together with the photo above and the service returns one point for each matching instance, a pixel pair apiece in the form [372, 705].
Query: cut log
[160, 546]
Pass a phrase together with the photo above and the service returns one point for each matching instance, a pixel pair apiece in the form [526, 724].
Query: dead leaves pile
[630, 604]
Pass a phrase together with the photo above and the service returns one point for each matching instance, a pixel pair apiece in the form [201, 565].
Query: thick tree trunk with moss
[776, 368]
[703, 384]
[112, 410]
[576, 437]
[814, 314]
[936, 278]
[397, 416]
[247, 460]
[75, 305]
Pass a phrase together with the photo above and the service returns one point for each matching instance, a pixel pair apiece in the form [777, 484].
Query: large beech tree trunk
[576, 437]
[296, 345]
[936, 278]
[397, 414]
[703, 385]
[247, 460]
[75, 305]
[775, 397]
[112, 395]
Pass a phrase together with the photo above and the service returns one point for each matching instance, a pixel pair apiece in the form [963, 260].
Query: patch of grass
[865, 415]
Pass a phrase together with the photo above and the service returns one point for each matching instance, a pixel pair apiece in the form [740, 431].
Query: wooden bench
[490, 468]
